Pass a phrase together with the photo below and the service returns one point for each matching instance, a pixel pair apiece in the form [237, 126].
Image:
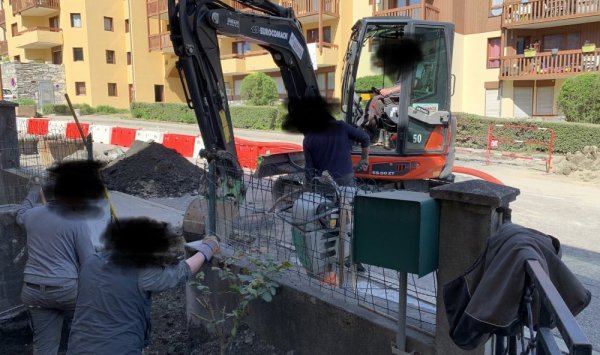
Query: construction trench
[307, 316]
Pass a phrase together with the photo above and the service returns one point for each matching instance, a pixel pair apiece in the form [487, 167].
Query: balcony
[549, 13]
[546, 65]
[157, 9]
[306, 11]
[35, 7]
[327, 54]
[2, 19]
[160, 42]
[421, 11]
[38, 38]
[3, 48]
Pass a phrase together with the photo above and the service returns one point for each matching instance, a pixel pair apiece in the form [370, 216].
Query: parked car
[8, 95]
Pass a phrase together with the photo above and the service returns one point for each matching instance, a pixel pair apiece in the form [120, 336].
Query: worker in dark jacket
[58, 242]
[115, 290]
[327, 142]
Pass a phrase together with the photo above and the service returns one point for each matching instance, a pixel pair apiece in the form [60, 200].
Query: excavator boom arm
[195, 25]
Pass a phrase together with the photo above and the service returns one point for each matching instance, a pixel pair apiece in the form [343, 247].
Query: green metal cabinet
[397, 230]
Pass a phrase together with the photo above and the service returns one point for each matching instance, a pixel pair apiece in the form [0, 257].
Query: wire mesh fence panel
[25, 155]
[312, 228]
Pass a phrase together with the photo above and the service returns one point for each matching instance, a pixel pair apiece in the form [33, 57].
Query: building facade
[510, 56]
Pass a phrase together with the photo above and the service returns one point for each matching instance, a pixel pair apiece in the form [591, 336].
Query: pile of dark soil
[152, 170]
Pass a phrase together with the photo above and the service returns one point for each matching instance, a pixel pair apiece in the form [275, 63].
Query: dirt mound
[583, 165]
[151, 170]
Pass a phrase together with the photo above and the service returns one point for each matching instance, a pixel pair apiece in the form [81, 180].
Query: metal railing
[517, 12]
[159, 41]
[156, 7]
[19, 6]
[3, 47]
[418, 12]
[38, 28]
[547, 64]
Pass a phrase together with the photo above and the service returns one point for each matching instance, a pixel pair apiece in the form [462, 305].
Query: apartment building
[97, 52]
[119, 51]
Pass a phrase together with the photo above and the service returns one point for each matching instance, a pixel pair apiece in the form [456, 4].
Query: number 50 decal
[417, 138]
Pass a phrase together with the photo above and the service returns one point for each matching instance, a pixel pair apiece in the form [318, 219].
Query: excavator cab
[412, 131]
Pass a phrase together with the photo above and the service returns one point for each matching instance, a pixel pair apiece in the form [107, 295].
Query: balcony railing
[2, 19]
[160, 42]
[517, 13]
[311, 7]
[156, 7]
[421, 11]
[301, 7]
[548, 65]
[3, 48]
[45, 6]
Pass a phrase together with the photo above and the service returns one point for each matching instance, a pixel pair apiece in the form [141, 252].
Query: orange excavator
[412, 138]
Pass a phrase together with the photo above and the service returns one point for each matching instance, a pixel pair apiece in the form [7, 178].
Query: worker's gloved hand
[363, 165]
[208, 247]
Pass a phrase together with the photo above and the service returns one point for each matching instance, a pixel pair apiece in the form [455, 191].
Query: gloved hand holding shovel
[208, 246]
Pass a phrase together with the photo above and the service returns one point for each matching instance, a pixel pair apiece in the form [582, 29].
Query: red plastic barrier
[123, 137]
[73, 132]
[181, 143]
[37, 126]
[249, 151]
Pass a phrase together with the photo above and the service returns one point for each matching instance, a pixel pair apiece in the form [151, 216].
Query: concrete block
[22, 125]
[147, 136]
[308, 320]
[57, 128]
[101, 133]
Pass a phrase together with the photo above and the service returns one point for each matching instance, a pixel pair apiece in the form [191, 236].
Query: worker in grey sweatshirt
[140, 257]
[58, 242]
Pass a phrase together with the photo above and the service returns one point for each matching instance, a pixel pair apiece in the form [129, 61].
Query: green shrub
[365, 83]
[254, 117]
[160, 111]
[259, 89]
[25, 101]
[578, 98]
[105, 109]
[569, 137]
[84, 109]
[57, 109]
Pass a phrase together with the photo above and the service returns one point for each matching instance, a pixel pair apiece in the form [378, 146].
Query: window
[57, 56]
[128, 58]
[112, 89]
[80, 88]
[17, 58]
[108, 23]
[110, 57]
[159, 93]
[551, 41]
[240, 47]
[573, 41]
[77, 54]
[14, 29]
[493, 53]
[76, 20]
[54, 22]
[496, 7]
[126, 25]
[312, 35]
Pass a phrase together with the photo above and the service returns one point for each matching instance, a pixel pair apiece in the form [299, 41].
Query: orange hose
[477, 173]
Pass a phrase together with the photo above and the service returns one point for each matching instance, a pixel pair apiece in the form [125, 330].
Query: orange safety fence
[497, 135]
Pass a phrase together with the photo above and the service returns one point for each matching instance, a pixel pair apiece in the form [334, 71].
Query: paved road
[557, 205]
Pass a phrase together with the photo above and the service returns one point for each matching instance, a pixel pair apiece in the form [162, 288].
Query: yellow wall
[470, 69]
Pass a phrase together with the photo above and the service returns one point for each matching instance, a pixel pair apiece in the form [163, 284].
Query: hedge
[84, 109]
[253, 117]
[569, 137]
